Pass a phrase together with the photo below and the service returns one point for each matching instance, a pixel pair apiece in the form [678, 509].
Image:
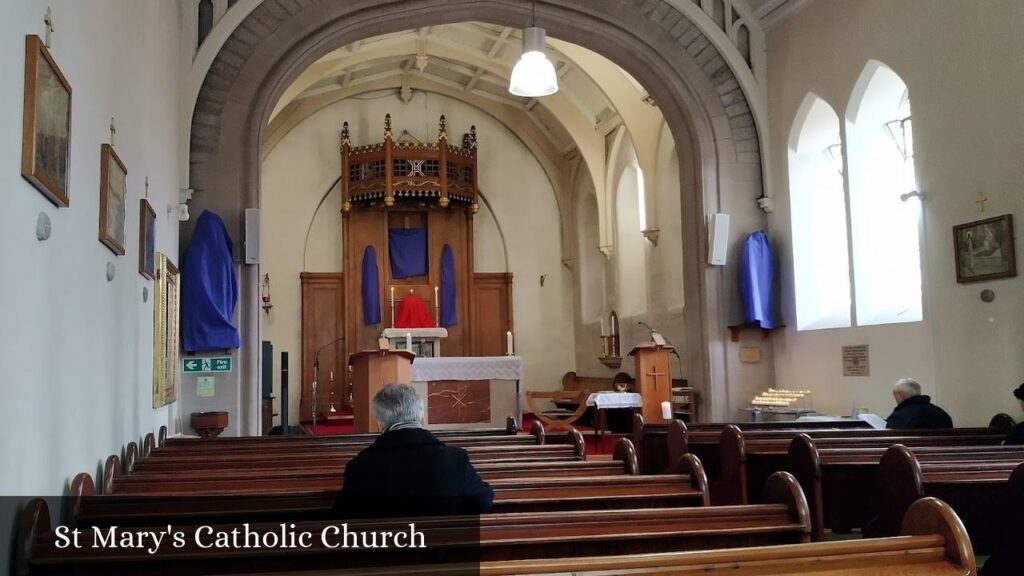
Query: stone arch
[668, 54]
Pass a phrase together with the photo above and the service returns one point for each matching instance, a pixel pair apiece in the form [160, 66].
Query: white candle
[408, 341]
[666, 410]
[392, 296]
[508, 342]
[437, 297]
[602, 327]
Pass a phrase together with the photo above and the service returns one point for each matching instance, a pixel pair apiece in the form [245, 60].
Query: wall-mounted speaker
[718, 239]
[252, 236]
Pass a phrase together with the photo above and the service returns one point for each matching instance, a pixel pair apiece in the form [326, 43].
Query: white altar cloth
[615, 400]
[467, 368]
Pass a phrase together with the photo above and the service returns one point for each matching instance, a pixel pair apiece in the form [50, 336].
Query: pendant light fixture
[534, 75]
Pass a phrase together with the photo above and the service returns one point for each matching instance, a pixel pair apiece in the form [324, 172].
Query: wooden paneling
[323, 305]
[492, 313]
[450, 227]
[367, 227]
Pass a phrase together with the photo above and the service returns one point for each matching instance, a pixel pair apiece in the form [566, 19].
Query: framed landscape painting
[147, 239]
[46, 127]
[166, 332]
[984, 249]
[113, 193]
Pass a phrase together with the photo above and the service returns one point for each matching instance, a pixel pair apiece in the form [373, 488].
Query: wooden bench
[783, 519]
[748, 458]
[975, 485]
[933, 544]
[840, 482]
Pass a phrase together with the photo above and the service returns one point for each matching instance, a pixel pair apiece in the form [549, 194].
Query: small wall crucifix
[147, 187]
[980, 201]
[48, 21]
[113, 131]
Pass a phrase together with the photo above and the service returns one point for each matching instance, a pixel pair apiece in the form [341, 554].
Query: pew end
[131, 455]
[33, 522]
[691, 465]
[625, 452]
[678, 443]
[578, 444]
[805, 465]
[148, 443]
[1002, 423]
[511, 426]
[81, 486]
[537, 430]
[898, 487]
[933, 516]
[731, 487]
[782, 488]
[111, 470]
[161, 438]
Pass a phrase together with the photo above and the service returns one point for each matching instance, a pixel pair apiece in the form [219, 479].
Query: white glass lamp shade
[534, 75]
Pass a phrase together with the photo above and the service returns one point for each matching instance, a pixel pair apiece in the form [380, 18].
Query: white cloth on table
[427, 369]
[615, 400]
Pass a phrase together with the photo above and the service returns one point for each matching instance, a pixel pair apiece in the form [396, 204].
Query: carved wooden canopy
[391, 171]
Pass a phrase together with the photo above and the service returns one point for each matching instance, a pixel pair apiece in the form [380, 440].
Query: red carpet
[344, 425]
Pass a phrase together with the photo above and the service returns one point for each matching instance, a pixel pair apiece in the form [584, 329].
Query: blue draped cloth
[757, 274]
[209, 288]
[407, 248]
[449, 316]
[371, 287]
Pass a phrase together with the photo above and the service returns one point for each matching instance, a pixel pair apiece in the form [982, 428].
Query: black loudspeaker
[267, 379]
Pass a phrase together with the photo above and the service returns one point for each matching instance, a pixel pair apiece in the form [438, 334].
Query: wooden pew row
[840, 482]
[783, 519]
[933, 544]
[746, 459]
[976, 487]
[652, 440]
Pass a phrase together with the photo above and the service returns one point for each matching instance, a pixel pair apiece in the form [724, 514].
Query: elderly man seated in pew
[915, 410]
[407, 471]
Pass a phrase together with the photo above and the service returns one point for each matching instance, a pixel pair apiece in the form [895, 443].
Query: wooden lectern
[371, 370]
[653, 380]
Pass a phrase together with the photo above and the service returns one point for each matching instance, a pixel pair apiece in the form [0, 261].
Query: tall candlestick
[602, 327]
[508, 343]
[437, 297]
[392, 306]
[408, 341]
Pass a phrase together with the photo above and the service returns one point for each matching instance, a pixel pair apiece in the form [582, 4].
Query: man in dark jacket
[407, 471]
[914, 410]
[1016, 436]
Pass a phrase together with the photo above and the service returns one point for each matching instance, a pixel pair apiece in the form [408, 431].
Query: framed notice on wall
[856, 361]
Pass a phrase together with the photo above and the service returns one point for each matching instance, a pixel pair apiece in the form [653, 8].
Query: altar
[468, 392]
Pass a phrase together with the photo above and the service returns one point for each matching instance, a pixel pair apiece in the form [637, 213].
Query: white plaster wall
[298, 171]
[962, 64]
[76, 349]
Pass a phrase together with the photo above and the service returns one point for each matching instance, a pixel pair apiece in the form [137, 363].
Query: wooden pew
[839, 482]
[783, 519]
[747, 458]
[659, 444]
[975, 485]
[933, 543]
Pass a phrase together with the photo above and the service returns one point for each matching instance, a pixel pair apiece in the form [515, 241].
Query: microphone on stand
[316, 374]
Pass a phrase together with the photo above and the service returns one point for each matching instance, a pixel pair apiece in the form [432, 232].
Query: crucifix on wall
[48, 22]
[980, 201]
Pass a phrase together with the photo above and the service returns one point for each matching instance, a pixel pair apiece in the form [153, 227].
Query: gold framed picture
[166, 332]
[46, 127]
[113, 194]
[984, 249]
[147, 239]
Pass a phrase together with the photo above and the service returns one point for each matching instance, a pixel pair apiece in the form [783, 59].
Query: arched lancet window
[719, 13]
[818, 207]
[205, 20]
[743, 42]
[884, 219]
[630, 255]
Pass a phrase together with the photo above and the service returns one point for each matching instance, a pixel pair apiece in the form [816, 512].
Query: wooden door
[492, 313]
[323, 305]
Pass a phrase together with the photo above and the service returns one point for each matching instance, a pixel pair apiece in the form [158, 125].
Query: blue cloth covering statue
[209, 288]
[757, 274]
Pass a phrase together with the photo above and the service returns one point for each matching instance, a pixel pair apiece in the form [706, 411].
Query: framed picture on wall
[113, 193]
[46, 127]
[166, 332]
[984, 249]
[147, 239]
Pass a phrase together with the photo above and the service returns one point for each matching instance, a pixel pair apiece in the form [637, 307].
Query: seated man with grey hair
[407, 471]
[914, 410]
